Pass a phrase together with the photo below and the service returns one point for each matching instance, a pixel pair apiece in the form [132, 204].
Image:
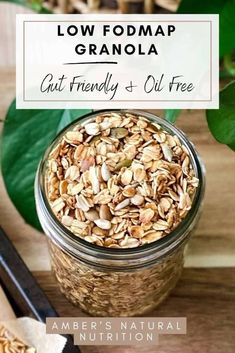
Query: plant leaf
[35, 5]
[172, 114]
[232, 146]
[221, 121]
[226, 10]
[26, 135]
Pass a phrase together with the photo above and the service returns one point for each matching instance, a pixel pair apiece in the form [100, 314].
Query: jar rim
[174, 238]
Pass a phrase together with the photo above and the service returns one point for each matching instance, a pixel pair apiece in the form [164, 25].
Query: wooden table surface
[206, 291]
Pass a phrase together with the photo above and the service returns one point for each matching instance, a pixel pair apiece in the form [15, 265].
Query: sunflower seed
[122, 204]
[103, 223]
[137, 200]
[105, 173]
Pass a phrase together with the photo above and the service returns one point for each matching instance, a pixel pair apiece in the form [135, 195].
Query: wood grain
[205, 296]
[6, 312]
[8, 29]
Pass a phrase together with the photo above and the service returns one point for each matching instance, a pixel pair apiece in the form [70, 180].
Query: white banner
[117, 61]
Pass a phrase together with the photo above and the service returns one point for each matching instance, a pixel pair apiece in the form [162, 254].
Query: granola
[11, 344]
[120, 181]
[115, 293]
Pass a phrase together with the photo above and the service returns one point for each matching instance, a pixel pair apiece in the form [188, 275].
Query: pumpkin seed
[119, 132]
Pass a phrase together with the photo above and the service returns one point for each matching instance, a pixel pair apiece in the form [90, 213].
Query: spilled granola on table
[120, 181]
[11, 344]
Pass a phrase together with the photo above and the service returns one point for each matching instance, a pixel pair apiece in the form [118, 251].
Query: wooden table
[206, 291]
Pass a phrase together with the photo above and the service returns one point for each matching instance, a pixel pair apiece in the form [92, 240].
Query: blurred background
[8, 10]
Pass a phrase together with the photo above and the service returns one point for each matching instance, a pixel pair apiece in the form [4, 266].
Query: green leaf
[229, 64]
[232, 146]
[26, 135]
[201, 6]
[221, 121]
[172, 114]
[226, 10]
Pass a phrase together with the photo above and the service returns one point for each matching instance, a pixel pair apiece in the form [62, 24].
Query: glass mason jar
[110, 281]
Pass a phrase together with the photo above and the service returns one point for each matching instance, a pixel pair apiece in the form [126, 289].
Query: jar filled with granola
[118, 194]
